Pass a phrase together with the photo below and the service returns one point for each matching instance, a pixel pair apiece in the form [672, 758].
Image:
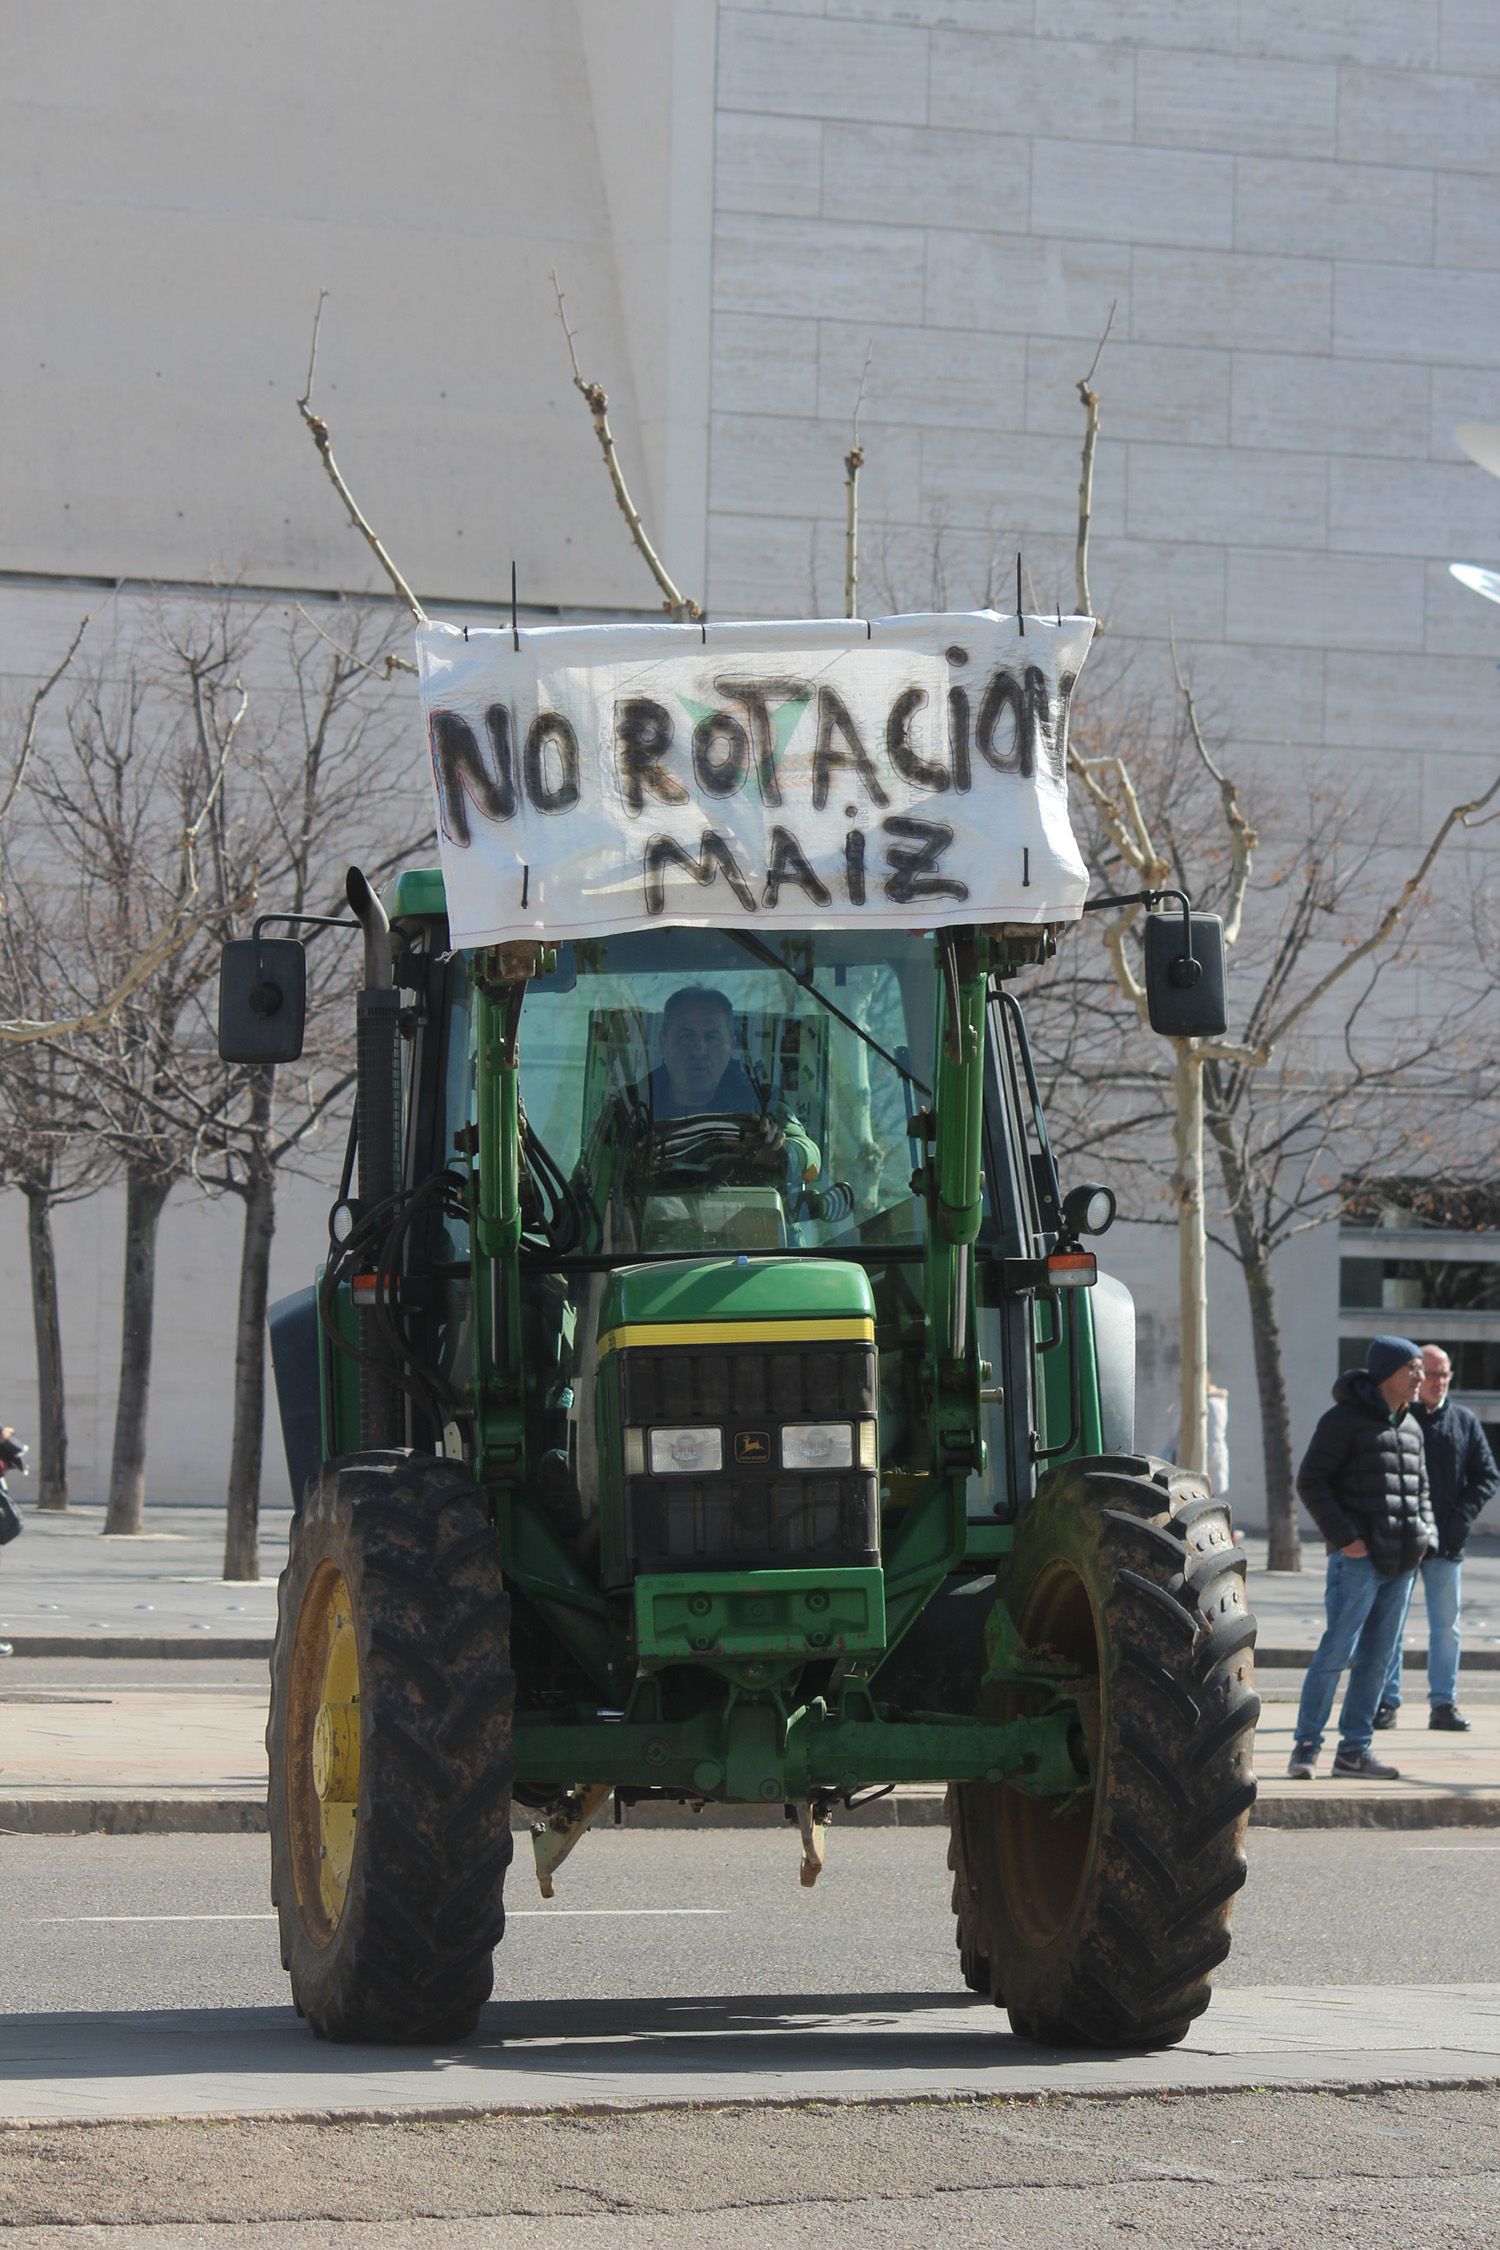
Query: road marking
[517, 1914]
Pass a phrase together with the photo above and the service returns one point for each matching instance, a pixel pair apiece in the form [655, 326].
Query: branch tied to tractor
[709, 1392]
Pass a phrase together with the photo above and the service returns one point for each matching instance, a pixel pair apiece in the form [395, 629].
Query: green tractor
[709, 1395]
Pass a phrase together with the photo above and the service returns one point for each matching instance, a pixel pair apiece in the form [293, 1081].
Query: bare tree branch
[389, 664]
[681, 607]
[28, 732]
[1456, 815]
[854, 461]
[319, 430]
[21, 1032]
[1090, 398]
[1242, 836]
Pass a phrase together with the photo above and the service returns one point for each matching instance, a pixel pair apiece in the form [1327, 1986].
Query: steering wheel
[711, 1151]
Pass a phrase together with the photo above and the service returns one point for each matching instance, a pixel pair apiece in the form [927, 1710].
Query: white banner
[908, 773]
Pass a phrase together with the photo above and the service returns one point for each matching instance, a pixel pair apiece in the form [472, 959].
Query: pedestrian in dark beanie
[1363, 1480]
[1462, 1478]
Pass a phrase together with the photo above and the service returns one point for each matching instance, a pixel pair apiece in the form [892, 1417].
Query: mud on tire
[1102, 1925]
[390, 1742]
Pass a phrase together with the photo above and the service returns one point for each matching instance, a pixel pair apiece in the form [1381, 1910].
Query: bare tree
[329, 777]
[134, 810]
[1144, 846]
[48, 1153]
[1281, 1106]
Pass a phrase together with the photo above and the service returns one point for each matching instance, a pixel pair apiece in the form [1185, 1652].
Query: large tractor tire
[1100, 1922]
[390, 1742]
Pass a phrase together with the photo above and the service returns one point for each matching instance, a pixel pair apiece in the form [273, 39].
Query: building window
[1426, 1263]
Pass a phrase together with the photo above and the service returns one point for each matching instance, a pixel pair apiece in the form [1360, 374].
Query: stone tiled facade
[1295, 210]
[1295, 207]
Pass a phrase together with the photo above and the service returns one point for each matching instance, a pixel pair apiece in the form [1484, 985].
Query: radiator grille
[756, 1517]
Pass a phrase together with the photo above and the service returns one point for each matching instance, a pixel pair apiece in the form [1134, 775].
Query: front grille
[752, 1522]
[747, 1384]
[750, 1518]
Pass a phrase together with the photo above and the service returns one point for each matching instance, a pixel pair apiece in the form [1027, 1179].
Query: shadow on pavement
[576, 2038]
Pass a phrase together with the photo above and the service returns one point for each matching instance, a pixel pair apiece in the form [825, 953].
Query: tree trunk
[1192, 1258]
[242, 1507]
[1285, 1549]
[145, 1196]
[1285, 1538]
[52, 1412]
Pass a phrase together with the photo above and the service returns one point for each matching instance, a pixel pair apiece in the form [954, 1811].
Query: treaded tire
[397, 1554]
[1102, 1926]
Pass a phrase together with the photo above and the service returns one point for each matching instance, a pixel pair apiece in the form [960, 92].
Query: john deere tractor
[709, 1393]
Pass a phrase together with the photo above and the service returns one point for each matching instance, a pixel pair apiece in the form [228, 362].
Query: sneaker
[1362, 1765]
[1386, 1716]
[1447, 1718]
[1302, 1764]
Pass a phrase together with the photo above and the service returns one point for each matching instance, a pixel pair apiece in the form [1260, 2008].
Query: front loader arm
[930, 1542]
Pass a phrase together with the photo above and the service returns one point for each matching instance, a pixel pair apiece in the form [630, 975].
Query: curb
[1281, 1809]
[132, 1816]
[241, 1649]
[135, 1644]
[1298, 1659]
[1263, 2080]
[246, 1816]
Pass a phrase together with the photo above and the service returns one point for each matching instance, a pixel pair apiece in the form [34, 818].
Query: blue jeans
[1365, 1615]
[1442, 1582]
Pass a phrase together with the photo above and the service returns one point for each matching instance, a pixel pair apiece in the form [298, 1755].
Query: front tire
[390, 1742]
[1100, 1923]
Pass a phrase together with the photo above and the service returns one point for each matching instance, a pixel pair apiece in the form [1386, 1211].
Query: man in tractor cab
[696, 1121]
[700, 1075]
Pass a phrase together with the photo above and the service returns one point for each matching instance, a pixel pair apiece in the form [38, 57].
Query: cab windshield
[702, 1093]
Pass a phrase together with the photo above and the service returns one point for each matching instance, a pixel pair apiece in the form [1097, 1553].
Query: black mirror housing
[1185, 993]
[262, 1000]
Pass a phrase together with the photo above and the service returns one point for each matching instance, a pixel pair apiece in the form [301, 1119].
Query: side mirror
[262, 1000]
[1185, 988]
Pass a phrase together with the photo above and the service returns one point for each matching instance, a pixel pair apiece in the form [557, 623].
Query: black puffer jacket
[1460, 1471]
[1365, 1477]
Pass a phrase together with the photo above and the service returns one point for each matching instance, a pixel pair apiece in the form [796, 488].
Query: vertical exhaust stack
[382, 1411]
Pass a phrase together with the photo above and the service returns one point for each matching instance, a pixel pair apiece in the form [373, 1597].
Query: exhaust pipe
[382, 1405]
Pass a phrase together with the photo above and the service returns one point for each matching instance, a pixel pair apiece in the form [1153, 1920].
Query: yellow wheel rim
[323, 1750]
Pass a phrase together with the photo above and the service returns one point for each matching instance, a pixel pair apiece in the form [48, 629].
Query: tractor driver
[700, 1075]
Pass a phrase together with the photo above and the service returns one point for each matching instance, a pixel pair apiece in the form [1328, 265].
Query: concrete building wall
[1292, 209]
[178, 183]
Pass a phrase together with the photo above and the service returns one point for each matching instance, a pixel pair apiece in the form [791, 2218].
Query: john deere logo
[752, 1448]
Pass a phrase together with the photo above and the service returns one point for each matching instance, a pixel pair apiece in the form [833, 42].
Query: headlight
[681, 1453]
[817, 1445]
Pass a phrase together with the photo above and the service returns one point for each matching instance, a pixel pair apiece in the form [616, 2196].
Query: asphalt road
[142, 1922]
[1398, 2170]
[133, 1923]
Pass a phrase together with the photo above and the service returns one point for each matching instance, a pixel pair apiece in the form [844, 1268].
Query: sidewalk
[130, 1761]
[166, 1756]
[65, 1591]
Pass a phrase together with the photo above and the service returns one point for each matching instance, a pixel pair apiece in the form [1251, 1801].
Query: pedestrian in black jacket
[1363, 1480]
[1462, 1476]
